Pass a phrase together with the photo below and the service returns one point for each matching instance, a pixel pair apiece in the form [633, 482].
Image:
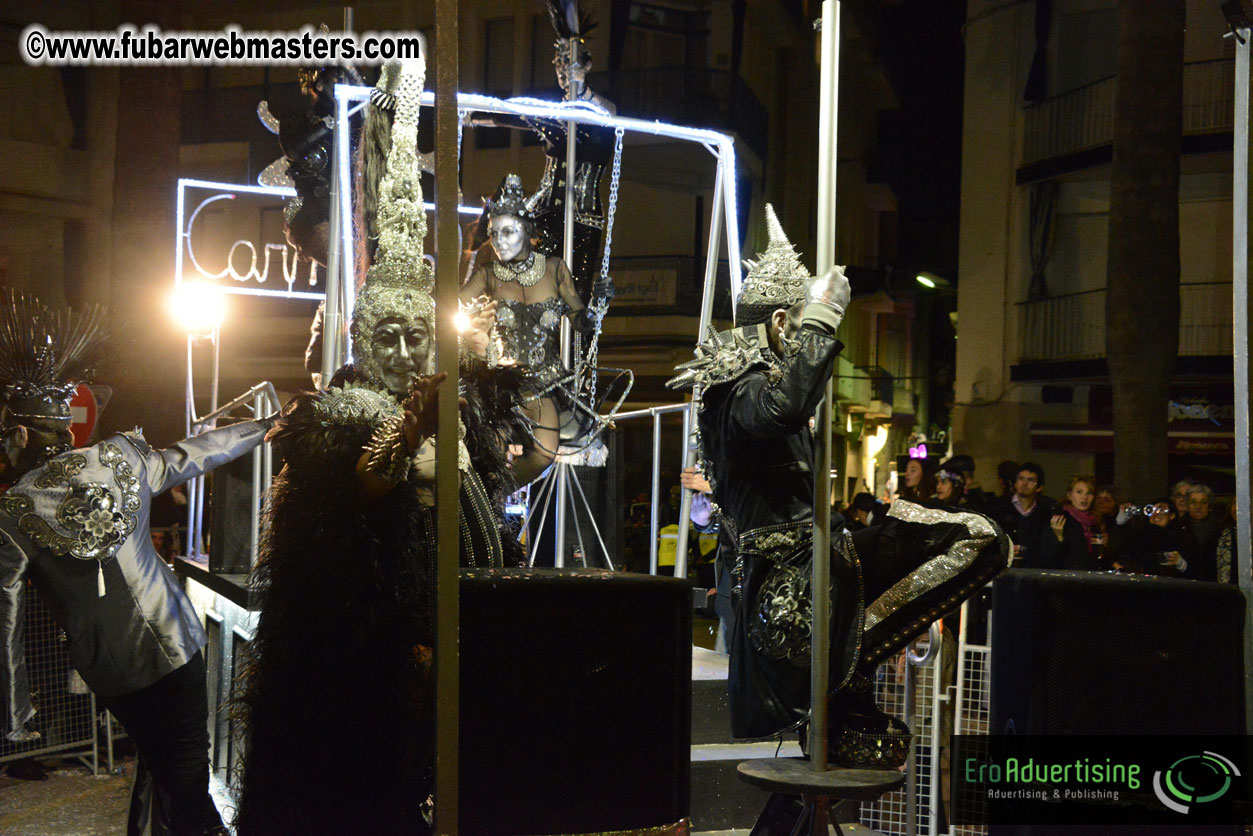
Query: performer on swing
[761, 384]
[335, 711]
[532, 292]
[594, 151]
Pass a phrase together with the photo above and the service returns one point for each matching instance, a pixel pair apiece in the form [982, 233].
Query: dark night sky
[920, 44]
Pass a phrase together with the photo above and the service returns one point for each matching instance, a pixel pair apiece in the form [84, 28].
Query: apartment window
[497, 76]
[543, 49]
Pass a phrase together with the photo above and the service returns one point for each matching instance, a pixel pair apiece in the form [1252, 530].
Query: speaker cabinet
[230, 517]
[1085, 653]
[575, 701]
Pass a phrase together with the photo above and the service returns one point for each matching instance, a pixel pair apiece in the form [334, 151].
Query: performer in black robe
[761, 384]
[336, 711]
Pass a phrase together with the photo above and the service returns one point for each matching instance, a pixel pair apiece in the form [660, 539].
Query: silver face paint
[509, 238]
[400, 351]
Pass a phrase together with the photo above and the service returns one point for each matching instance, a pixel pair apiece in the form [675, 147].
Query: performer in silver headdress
[761, 383]
[335, 710]
[75, 522]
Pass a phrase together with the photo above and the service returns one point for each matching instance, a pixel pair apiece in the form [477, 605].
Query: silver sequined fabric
[960, 556]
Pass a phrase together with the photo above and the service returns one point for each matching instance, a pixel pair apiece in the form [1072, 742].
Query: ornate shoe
[876, 741]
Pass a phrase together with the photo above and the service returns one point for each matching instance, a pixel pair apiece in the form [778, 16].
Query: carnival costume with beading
[754, 433]
[335, 708]
[529, 333]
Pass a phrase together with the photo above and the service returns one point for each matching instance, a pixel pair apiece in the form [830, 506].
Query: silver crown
[776, 277]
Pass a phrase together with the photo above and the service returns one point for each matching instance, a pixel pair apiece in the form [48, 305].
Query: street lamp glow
[925, 281]
[199, 307]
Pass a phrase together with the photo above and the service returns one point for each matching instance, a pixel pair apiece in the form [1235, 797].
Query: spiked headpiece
[776, 278]
[399, 282]
[510, 199]
[44, 355]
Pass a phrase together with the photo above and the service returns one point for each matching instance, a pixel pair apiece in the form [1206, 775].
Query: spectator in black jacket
[1037, 524]
[1155, 546]
[1201, 528]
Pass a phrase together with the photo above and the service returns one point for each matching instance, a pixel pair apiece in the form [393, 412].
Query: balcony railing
[1072, 327]
[1083, 118]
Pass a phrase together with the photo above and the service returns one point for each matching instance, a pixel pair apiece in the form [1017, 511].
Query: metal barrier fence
[66, 716]
[942, 691]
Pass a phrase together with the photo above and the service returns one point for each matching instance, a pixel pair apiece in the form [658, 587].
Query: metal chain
[600, 305]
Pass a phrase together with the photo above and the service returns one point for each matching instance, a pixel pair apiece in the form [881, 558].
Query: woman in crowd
[919, 481]
[1082, 530]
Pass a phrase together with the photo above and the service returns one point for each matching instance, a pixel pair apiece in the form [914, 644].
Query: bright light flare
[875, 442]
[925, 281]
[461, 321]
[199, 307]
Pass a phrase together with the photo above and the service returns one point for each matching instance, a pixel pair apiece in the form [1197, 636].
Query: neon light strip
[583, 115]
[277, 191]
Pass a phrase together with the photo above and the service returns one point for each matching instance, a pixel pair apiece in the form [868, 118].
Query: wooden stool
[795, 776]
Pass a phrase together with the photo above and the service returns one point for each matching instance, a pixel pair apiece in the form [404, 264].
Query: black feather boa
[333, 703]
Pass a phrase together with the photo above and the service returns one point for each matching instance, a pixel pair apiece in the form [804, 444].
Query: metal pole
[332, 317]
[216, 337]
[190, 545]
[820, 673]
[688, 454]
[652, 545]
[255, 509]
[685, 501]
[1240, 345]
[447, 477]
[567, 361]
[711, 253]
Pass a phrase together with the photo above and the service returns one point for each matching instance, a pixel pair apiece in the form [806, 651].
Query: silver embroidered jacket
[78, 527]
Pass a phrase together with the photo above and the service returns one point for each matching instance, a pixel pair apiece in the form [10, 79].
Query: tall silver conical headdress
[400, 281]
[776, 278]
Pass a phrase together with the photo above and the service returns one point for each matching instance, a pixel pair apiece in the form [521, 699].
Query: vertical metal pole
[1240, 345]
[685, 501]
[716, 211]
[820, 673]
[652, 543]
[258, 456]
[447, 477]
[191, 546]
[216, 338]
[346, 290]
[332, 317]
[911, 767]
[567, 333]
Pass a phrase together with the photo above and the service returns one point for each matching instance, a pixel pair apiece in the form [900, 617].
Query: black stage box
[1088, 653]
[575, 701]
[230, 517]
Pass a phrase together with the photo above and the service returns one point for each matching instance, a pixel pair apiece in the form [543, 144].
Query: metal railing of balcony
[1083, 118]
[1072, 326]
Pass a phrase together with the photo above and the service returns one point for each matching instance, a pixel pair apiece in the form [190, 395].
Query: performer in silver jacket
[76, 524]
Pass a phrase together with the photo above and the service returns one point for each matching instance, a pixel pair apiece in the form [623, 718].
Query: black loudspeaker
[1085, 653]
[575, 701]
[230, 517]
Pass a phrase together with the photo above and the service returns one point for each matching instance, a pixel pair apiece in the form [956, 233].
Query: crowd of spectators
[1186, 534]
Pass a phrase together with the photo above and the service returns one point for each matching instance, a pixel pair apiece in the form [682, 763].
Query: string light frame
[351, 98]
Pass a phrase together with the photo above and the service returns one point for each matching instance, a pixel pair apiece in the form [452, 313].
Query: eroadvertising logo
[1008, 779]
[1194, 779]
